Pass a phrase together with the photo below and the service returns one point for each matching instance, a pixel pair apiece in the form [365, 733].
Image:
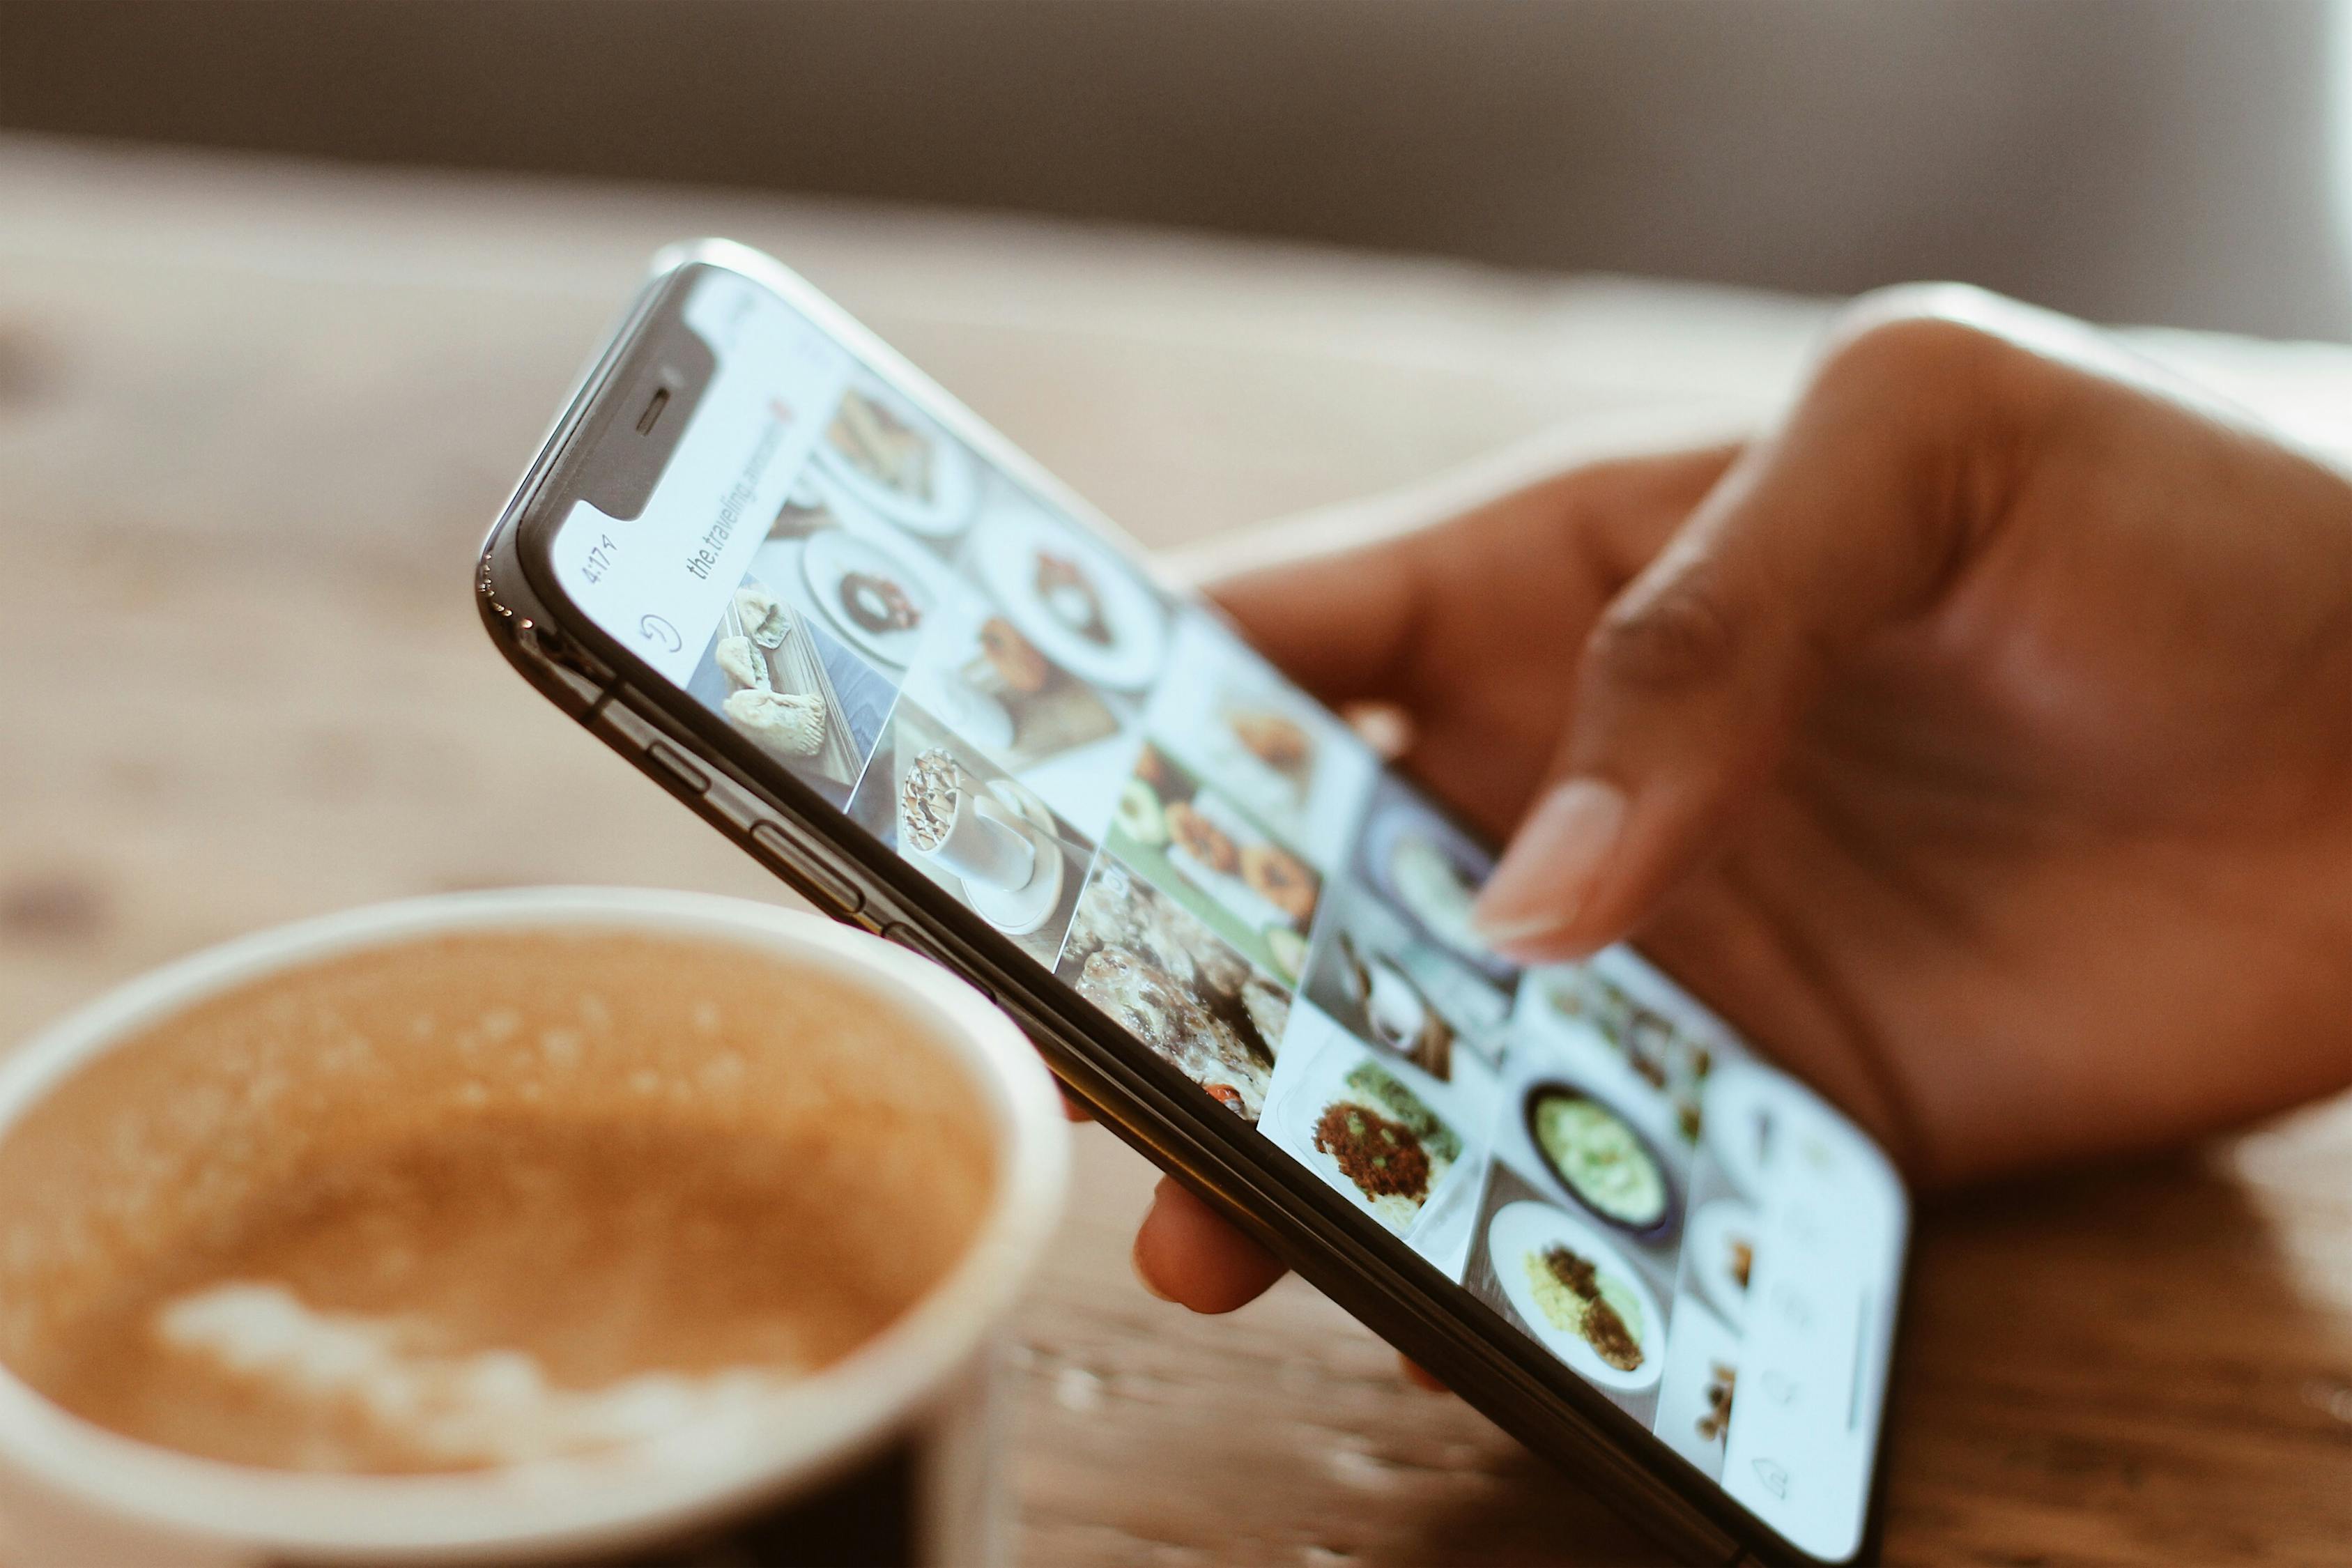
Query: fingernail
[1554, 862]
[1143, 1275]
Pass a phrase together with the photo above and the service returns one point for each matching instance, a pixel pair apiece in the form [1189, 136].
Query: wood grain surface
[254, 418]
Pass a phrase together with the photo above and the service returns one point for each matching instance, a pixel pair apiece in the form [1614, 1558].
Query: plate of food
[898, 462]
[1578, 1294]
[1220, 852]
[1722, 1250]
[1175, 985]
[1671, 1057]
[1072, 596]
[1601, 1160]
[1375, 1134]
[1217, 862]
[1432, 874]
[1261, 750]
[877, 595]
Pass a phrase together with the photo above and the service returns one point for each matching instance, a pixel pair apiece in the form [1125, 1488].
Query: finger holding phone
[1941, 741]
[1977, 738]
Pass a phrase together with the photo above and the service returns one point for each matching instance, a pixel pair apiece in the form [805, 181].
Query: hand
[1979, 740]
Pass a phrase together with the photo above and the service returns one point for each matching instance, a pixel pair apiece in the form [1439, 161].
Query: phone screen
[1106, 774]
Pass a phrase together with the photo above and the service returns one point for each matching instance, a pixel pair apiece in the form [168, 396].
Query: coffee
[482, 1198]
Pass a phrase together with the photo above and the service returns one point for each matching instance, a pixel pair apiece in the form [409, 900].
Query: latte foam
[482, 1199]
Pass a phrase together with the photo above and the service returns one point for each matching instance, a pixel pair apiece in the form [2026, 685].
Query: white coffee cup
[902, 1433]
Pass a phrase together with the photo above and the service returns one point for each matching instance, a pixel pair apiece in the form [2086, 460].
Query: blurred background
[2178, 162]
[289, 291]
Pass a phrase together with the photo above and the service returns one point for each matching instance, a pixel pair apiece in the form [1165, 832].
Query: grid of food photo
[1116, 783]
[1631, 1151]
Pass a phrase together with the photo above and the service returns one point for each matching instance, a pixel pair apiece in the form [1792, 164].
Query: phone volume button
[820, 882]
[684, 773]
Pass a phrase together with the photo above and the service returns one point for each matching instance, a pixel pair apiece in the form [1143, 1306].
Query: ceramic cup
[887, 1456]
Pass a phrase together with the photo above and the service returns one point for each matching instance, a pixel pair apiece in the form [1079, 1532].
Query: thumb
[1857, 511]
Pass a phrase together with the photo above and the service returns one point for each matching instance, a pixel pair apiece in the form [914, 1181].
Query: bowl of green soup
[1603, 1160]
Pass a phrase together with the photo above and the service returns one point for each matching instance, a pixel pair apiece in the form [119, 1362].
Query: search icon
[653, 630]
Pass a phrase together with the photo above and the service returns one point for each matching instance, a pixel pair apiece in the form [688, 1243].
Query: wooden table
[254, 419]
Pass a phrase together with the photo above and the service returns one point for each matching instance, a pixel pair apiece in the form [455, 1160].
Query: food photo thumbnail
[989, 681]
[792, 690]
[874, 587]
[1265, 745]
[1431, 871]
[1699, 1385]
[974, 830]
[1072, 595]
[1386, 1141]
[1387, 982]
[1216, 862]
[1573, 1288]
[982, 675]
[1602, 1160]
[893, 458]
[1587, 1295]
[1176, 985]
[1398, 1143]
[1719, 1258]
[1586, 1135]
[1668, 1041]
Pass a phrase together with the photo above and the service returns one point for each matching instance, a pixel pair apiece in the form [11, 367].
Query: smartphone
[820, 602]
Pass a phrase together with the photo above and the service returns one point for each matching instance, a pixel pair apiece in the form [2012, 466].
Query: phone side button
[774, 845]
[684, 774]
